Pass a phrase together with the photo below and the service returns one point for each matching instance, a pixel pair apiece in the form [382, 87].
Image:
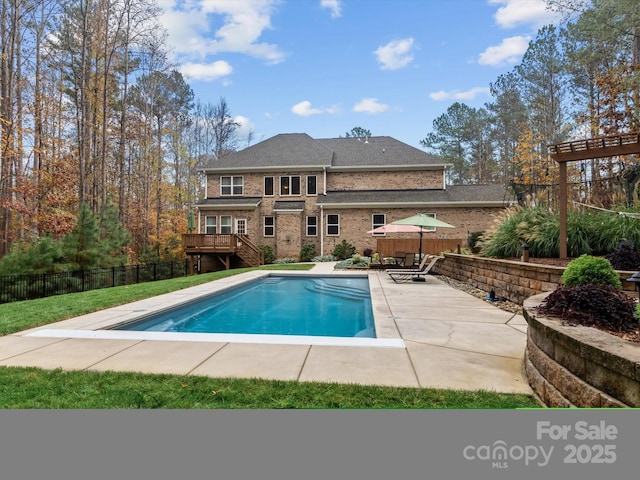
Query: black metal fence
[28, 287]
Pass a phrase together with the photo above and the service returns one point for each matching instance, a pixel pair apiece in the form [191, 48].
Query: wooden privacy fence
[388, 247]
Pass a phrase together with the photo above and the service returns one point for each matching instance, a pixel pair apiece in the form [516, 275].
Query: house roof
[226, 203]
[454, 195]
[300, 151]
[283, 150]
[377, 151]
[288, 206]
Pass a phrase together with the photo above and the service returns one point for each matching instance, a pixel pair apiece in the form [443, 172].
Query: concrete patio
[430, 335]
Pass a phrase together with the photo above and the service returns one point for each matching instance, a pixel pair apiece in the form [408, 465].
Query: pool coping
[97, 325]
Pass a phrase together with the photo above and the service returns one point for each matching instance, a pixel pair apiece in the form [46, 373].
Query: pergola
[599, 147]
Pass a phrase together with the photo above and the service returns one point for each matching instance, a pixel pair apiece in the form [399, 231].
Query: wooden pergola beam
[599, 147]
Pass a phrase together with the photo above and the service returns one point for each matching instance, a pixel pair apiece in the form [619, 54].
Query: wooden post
[562, 205]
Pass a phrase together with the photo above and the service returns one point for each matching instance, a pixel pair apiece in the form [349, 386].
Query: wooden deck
[223, 246]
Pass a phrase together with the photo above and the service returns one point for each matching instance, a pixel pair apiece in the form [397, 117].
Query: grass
[33, 388]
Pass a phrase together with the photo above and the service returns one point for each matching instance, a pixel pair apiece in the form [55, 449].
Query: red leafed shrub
[591, 305]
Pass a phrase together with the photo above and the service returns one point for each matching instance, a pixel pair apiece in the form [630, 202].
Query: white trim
[219, 338]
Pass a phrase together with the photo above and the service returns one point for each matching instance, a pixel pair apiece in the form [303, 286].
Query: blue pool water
[277, 305]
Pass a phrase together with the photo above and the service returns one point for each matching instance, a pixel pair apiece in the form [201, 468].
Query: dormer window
[231, 185]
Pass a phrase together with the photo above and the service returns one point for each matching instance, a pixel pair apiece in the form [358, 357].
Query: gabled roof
[453, 196]
[300, 151]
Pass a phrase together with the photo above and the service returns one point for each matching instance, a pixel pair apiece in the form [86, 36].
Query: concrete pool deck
[432, 335]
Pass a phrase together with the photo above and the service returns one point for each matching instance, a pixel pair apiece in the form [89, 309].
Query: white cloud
[523, 12]
[304, 109]
[246, 126]
[395, 54]
[510, 51]
[370, 105]
[333, 5]
[192, 28]
[458, 95]
[206, 71]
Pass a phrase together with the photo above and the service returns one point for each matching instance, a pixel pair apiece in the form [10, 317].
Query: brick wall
[385, 180]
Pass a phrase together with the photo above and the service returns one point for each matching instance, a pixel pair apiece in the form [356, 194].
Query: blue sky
[323, 67]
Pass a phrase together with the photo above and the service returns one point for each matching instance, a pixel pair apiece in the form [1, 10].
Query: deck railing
[223, 243]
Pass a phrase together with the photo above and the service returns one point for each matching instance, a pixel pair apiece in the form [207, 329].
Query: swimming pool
[328, 306]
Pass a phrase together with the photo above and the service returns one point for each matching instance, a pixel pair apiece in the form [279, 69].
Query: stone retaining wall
[577, 366]
[511, 280]
[567, 366]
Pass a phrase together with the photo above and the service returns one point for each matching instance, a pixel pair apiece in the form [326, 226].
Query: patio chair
[417, 275]
[409, 258]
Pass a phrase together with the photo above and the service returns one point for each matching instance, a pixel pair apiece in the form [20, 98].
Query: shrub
[472, 241]
[356, 257]
[281, 261]
[589, 269]
[324, 258]
[367, 252]
[308, 252]
[592, 305]
[267, 251]
[344, 250]
[625, 257]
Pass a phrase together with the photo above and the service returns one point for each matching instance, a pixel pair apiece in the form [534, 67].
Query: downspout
[321, 230]
[324, 192]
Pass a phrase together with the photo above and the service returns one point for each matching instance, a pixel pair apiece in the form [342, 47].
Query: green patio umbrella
[422, 220]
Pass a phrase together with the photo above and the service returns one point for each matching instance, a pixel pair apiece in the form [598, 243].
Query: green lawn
[32, 388]
[29, 388]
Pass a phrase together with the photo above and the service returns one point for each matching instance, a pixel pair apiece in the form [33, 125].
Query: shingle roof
[300, 150]
[288, 205]
[454, 195]
[376, 151]
[236, 202]
[283, 150]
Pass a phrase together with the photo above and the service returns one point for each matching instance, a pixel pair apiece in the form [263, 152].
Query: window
[333, 224]
[225, 223]
[312, 186]
[241, 226]
[210, 225]
[378, 220]
[312, 226]
[268, 186]
[429, 229]
[269, 226]
[231, 186]
[290, 185]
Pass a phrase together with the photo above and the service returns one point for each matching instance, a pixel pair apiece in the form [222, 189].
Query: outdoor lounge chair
[417, 275]
[419, 268]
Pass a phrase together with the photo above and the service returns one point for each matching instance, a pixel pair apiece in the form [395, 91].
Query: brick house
[291, 190]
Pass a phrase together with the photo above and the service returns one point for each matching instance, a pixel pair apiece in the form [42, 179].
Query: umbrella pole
[418, 278]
